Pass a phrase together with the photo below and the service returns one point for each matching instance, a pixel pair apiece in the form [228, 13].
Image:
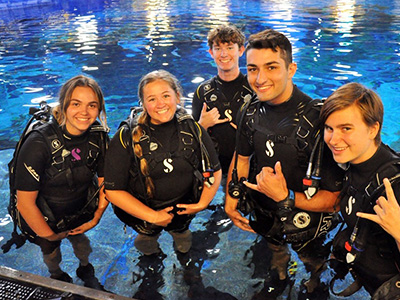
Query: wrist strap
[287, 203]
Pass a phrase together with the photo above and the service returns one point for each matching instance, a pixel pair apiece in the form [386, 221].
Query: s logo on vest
[167, 164]
[301, 219]
[75, 154]
[349, 206]
[270, 151]
[228, 114]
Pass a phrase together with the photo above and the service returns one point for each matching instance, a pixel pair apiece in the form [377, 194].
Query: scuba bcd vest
[292, 225]
[190, 148]
[350, 243]
[227, 97]
[43, 122]
[211, 93]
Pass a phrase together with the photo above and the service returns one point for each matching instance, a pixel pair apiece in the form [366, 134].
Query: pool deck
[74, 291]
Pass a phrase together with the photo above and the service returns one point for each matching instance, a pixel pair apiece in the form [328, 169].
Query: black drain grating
[13, 290]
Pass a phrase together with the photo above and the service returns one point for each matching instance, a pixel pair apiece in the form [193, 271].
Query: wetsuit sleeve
[205, 137]
[118, 161]
[32, 161]
[197, 104]
[101, 159]
[244, 147]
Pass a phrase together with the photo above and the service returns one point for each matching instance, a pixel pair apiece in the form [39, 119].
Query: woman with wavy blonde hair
[152, 163]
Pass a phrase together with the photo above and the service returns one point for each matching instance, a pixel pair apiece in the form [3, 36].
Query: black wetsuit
[171, 172]
[380, 260]
[67, 192]
[228, 97]
[269, 139]
[35, 159]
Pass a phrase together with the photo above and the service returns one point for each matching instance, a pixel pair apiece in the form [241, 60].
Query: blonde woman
[154, 167]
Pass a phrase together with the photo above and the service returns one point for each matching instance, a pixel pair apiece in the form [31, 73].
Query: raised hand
[211, 117]
[271, 182]
[387, 212]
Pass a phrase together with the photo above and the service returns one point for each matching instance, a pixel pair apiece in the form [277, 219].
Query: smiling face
[226, 56]
[82, 111]
[348, 136]
[160, 101]
[268, 75]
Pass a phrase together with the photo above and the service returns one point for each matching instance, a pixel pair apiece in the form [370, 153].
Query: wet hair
[225, 34]
[369, 103]
[64, 99]
[144, 118]
[274, 40]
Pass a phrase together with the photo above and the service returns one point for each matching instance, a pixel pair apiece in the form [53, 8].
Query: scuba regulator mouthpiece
[236, 188]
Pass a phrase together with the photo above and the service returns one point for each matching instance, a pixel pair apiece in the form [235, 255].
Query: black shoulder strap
[376, 188]
[204, 90]
[130, 123]
[309, 123]
[207, 174]
[98, 143]
[184, 117]
[211, 94]
[54, 138]
[249, 101]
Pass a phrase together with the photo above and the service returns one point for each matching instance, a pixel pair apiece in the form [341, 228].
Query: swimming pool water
[45, 42]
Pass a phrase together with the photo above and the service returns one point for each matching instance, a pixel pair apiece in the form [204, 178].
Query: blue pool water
[45, 42]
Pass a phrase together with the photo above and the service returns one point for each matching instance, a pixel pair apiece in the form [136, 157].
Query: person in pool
[56, 167]
[154, 172]
[278, 131]
[216, 101]
[370, 244]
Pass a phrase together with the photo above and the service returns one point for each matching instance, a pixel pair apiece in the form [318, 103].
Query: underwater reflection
[150, 268]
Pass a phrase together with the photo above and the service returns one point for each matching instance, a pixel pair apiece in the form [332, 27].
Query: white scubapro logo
[168, 165]
[228, 114]
[349, 206]
[301, 219]
[270, 151]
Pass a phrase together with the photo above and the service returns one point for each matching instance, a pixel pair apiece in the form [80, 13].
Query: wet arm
[209, 192]
[103, 202]
[272, 183]
[206, 197]
[136, 208]
[322, 201]
[231, 210]
[27, 207]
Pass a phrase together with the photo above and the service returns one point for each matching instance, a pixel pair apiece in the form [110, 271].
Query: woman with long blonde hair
[153, 166]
